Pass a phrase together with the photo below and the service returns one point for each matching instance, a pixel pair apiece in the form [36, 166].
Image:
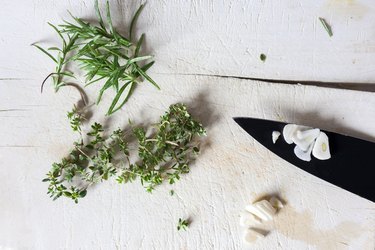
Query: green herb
[326, 26]
[164, 155]
[171, 192]
[61, 59]
[263, 57]
[182, 224]
[103, 54]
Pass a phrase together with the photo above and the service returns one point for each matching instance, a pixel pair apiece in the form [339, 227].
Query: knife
[352, 162]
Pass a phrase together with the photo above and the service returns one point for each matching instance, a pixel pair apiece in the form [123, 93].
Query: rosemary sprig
[165, 155]
[103, 54]
[61, 59]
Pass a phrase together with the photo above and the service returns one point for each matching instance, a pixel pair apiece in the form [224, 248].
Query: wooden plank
[214, 37]
[232, 171]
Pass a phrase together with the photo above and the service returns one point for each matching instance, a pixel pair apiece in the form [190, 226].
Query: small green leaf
[263, 57]
[117, 97]
[83, 193]
[134, 20]
[45, 52]
[143, 73]
[139, 44]
[326, 26]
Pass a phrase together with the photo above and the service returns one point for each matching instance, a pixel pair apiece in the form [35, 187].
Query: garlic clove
[304, 138]
[321, 148]
[276, 203]
[275, 136]
[247, 219]
[251, 236]
[262, 209]
[288, 132]
[303, 155]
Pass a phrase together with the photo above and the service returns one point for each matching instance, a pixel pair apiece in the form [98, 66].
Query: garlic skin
[275, 136]
[250, 236]
[304, 138]
[321, 147]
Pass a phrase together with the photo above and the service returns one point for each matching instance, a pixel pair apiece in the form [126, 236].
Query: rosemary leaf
[326, 26]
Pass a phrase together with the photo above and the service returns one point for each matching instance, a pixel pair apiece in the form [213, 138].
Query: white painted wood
[215, 37]
[192, 37]
[233, 171]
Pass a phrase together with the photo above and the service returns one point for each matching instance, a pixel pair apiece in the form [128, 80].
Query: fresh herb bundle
[163, 155]
[102, 53]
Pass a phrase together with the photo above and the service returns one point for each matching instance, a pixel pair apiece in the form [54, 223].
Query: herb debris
[326, 26]
[182, 224]
[263, 57]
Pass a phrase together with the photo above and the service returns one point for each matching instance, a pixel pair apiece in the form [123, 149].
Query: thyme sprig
[182, 224]
[163, 155]
[103, 54]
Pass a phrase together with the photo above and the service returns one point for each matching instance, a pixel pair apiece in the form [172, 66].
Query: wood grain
[192, 40]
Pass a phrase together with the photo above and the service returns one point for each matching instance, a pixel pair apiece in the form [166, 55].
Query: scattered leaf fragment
[182, 224]
[326, 26]
[263, 57]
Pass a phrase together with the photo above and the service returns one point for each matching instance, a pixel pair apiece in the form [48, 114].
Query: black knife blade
[352, 162]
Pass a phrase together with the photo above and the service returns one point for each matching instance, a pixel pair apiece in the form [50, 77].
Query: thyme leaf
[182, 224]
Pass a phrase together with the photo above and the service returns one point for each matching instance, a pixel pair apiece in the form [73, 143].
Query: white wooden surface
[190, 38]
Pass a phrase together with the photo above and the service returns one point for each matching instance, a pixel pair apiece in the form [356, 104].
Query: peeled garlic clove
[275, 136]
[303, 155]
[288, 132]
[250, 236]
[276, 203]
[262, 209]
[321, 147]
[304, 138]
[248, 219]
